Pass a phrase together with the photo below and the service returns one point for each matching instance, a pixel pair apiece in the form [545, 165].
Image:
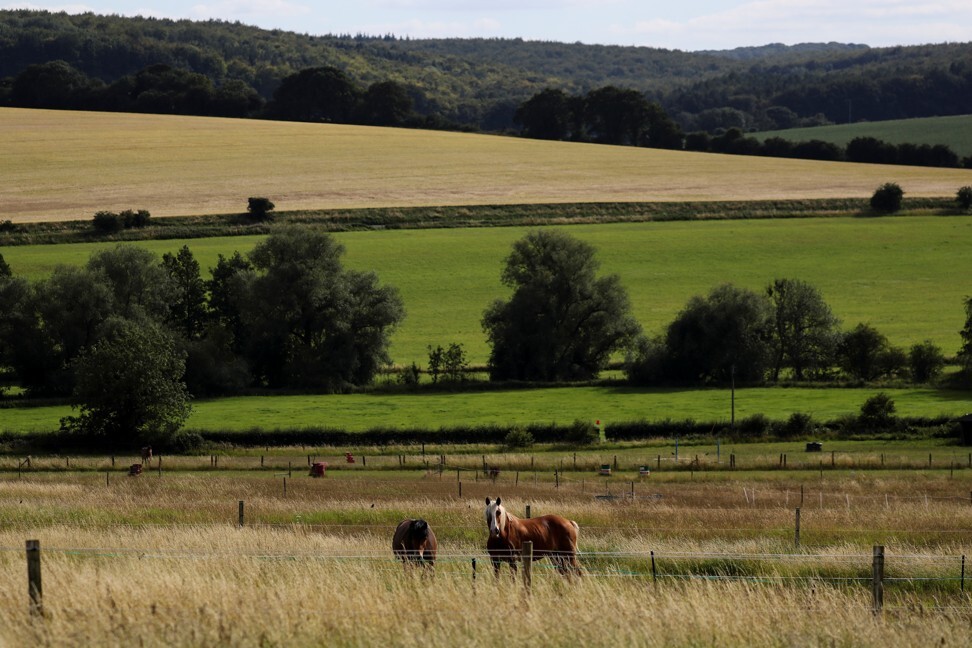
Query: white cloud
[236, 9]
[875, 22]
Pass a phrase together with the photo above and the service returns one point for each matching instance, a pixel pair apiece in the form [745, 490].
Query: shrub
[925, 361]
[581, 433]
[964, 197]
[518, 438]
[108, 222]
[877, 411]
[131, 218]
[798, 424]
[259, 207]
[409, 375]
[887, 198]
[754, 425]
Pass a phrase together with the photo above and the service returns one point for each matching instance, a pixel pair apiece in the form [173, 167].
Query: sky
[685, 25]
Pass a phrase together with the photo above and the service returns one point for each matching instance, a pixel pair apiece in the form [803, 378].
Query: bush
[754, 426]
[925, 361]
[518, 438]
[877, 412]
[108, 222]
[964, 198]
[799, 424]
[410, 375]
[131, 218]
[259, 208]
[887, 198]
[581, 433]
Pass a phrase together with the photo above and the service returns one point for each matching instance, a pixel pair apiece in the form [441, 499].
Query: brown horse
[415, 543]
[553, 537]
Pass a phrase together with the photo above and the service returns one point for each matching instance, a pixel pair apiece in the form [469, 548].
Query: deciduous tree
[562, 322]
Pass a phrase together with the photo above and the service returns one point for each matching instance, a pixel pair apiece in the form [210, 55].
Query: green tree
[804, 329]
[128, 388]
[965, 352]
[309, 322]
[259, 207]
[187, 311]
[865, 354]
[545, 115]
[386, 103]
[963, 197]
[877, 412]
[925, 361]
[562, 321]
[617, 116]
[887, 198]
[227, 289]
[723, 334]
[5, 270]
[316, 94]
[139, 285]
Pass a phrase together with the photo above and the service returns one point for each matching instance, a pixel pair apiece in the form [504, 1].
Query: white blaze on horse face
[495, 517]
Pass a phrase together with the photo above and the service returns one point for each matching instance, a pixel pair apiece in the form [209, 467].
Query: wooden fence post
[963, 572]
[877, 581]
[797, 537]
[528, 511]
[474, 570]
[654, 574]
[241, 514]
[527, 564]
[460, 490]
[34, 587]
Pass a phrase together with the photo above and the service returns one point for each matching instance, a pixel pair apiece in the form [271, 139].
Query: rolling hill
[63, 165]
[955, 132]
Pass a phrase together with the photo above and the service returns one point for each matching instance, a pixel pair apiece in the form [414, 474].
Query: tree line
[478, 83]
[129, 338]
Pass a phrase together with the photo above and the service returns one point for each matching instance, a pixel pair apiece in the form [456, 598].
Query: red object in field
[318, 469]
[348, 457]
[135, 469]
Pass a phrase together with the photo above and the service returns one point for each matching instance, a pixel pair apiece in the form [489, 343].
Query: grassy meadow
[433, 410]
[67, 165]
[955, 131]
[162, 561]
[902, 275]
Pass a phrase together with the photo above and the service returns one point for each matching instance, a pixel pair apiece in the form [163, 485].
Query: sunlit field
[67, 165]
[901, 275]
[164, 560]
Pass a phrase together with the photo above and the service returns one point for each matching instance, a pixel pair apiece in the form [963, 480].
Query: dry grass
[60, 165]
[160, 561]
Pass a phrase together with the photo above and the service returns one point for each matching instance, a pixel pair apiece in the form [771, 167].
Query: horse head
[495, 517]
[420, 529]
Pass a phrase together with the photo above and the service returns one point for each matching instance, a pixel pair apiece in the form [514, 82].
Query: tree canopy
[562, 322]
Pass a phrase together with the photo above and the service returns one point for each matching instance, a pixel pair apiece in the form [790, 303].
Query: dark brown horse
[553, 537]
[415, 543]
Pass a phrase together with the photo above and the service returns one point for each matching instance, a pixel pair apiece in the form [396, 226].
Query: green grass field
[956, 132]
[904, 275]
[66, 165]
[433, 410]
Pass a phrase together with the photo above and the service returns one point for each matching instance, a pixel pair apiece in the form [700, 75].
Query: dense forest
[234, 69]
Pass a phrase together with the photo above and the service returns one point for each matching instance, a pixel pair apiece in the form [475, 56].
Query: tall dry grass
[161, 561]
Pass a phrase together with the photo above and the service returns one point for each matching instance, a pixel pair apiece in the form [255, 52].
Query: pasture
[67, 165]
[432, 410]
[954, 131]
[704, 558]
[900, 274]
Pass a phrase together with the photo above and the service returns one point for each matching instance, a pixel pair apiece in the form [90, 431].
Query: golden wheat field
[162, 560]
[65, 165]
